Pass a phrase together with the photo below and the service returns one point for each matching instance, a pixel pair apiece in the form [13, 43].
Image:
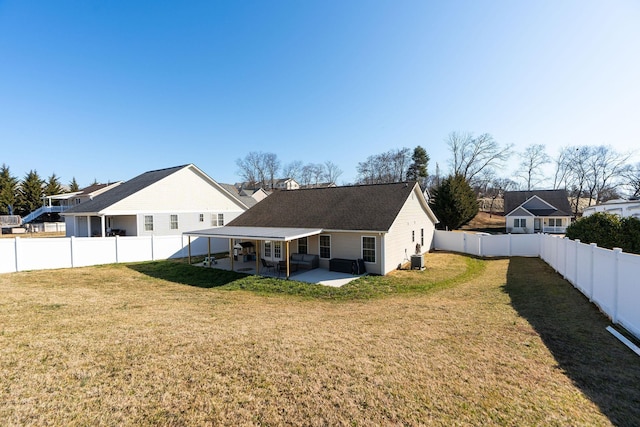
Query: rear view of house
[379, 224]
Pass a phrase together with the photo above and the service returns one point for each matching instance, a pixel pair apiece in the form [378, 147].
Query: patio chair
[268, 265]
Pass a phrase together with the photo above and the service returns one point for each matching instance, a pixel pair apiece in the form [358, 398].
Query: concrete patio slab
[317, 276]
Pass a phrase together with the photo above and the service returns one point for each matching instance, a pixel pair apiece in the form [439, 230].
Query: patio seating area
[317, 276]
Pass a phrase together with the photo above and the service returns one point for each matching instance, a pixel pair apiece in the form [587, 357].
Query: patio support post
[188, 249]
[88, 226]
[102, 225]
[257, 257]
[209, 250]
[286, 251]
[231, 252]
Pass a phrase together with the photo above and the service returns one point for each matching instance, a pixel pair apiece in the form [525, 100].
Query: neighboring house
[257, 195]
[161, 202]
[276, 184]
[537, 211]
[59, 203]
[286, 184]
[380, 224]
[319, 185]
[621, 207]
[249, 198]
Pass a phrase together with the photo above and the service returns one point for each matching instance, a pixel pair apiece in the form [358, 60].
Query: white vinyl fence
[609, 278]
[20, 254]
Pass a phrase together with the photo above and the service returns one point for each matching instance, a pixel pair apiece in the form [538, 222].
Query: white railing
[43, 210]
[20, 254]
[609, 278]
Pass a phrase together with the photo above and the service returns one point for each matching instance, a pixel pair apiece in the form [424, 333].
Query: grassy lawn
[466, 342]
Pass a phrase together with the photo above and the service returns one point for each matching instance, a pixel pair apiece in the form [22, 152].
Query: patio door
[536, 224]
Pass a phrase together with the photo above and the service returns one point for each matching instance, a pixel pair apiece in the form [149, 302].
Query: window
[520, 222]
[555, 222]
[369, 249]
[325, 246]
[217, 220]
[302, 245]
[277, 250]
[148, 223]
[174, 222]
[201, 218]
[267, 249]
[422, 237]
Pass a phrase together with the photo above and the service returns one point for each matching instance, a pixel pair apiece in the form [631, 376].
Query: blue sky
[107, 90]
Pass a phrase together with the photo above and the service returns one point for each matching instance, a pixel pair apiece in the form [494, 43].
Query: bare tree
[391, 166]
[471, 155]
[331, 172]
[607, 169]
[632, 180]
[590, 172]
[496, 190]
[534, 157]
[292, 170]
[258, 168]
[562, 167]
[271, 167]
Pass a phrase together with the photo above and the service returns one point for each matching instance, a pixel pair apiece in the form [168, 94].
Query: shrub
[607, 231]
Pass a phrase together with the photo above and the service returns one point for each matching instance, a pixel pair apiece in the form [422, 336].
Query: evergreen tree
[73, 185]
[30, 192]
[455, 203]
[418, 168]
[8, 189]
[53, 186]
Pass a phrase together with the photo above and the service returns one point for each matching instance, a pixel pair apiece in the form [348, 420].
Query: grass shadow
[183, 273]
[573, 329]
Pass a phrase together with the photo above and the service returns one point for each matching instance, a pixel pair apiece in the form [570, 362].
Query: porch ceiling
[256, 233]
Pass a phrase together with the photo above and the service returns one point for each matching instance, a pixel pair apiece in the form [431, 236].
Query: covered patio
[257, 235]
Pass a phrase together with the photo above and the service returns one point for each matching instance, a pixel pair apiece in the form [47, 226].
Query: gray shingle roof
[240, 195]
[123, 190]
[559, 199]
[360, 207]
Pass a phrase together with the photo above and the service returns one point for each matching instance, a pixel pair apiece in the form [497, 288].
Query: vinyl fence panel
[628, 295]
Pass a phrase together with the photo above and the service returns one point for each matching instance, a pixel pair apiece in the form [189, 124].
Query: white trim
[255, 233]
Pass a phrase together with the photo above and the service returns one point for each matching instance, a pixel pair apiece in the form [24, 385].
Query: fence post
[16, 250]
[117, 248]
[575, 261]
[593, 270]
[72, 240]
[153, 258]
[565, 245]
[479, 245]
[556, 262]
[509, 244]
[464, 243]
[616, 283]
[540, 246]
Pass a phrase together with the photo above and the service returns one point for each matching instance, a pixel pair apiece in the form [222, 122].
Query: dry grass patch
[112, 345]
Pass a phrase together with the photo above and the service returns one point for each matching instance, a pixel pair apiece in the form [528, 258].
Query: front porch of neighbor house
[532, 224]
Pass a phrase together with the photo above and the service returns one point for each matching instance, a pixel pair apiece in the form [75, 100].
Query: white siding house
[378, 224]
[161, 202]
[621, 207]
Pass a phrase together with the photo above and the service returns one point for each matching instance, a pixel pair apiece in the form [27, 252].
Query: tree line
[19, 197]
[476, 169]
